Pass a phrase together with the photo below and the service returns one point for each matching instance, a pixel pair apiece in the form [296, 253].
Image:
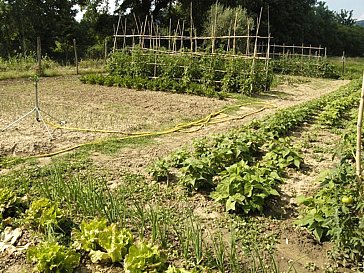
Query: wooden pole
[214, 30]
[267, 56]
[359, 132]
[169, 34]
[105, 48]
[39, 57]
[183, 29]
[191, 27]
[234, 40]
[343, 64]
[76, 59]
[255, 48]
[124, 41]
[247, 53]
[116, 33]
[143, 28]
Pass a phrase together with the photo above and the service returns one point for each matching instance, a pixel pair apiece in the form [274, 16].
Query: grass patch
[113, 145]
[353, 67]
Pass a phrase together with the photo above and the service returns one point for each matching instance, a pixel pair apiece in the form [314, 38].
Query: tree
[24, 20]
[345, 17]
[222, 20]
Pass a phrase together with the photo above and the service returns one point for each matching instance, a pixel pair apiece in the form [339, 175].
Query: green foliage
[336, 212]
[10, 203]
[44, 214]
[82, 194]
[103, 242]
[210, 76]
[51, 257]
[281, 155]
[246, 187]
[144, 257]
[210, 157]
[160, 170]
[308, 68]
[335, 111]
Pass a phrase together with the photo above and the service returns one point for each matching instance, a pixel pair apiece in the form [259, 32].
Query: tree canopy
[290, 22]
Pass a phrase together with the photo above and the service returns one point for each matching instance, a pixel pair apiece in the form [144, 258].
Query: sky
[356, 5]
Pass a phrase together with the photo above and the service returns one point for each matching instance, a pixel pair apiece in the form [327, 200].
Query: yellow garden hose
[181, 127]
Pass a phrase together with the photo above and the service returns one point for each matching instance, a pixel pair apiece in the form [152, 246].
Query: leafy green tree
[345, 17]
[24, 20]
[222, 20]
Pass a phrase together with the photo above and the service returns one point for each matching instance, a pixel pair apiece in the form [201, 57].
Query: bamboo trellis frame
[177, 39]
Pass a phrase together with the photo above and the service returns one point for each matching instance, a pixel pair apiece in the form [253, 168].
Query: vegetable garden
[216, 203]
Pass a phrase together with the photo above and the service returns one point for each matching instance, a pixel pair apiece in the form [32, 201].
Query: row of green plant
[335, 211]
[158, 84]
[22, 63]
[185, 73]
[25, 65]
[315, 68]
[244, 168]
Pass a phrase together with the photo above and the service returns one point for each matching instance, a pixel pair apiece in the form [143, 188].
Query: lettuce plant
[43, 213]
[103, 242]
[144, 257]
[52, 257]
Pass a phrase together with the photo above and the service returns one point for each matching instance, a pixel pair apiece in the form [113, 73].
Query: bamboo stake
[359, 132]
[268, 53]
[105, 49]
[191, 27]
[248, 42]
[214, 30]
[235, 25]
[137, 26]
[144, 25]
[169, 33]
[151, 32]
[124, 42]
[116, 33]
[133, 42]
[228, 42]
[39, 58]
[182, 31]
[76, 59]
[196, 43]
[255, 48]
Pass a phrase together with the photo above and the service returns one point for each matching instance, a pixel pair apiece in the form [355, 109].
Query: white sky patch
[80, 13]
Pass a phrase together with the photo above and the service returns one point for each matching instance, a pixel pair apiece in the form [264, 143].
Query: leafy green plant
[183, 73]
[308, 67]
[336, 212]
[246, 187]
[44, 214]
[103, 242]
[282, 155]
[197, 173]
[10, 204]
[52, 257]
[160, 170]
[144, 257]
